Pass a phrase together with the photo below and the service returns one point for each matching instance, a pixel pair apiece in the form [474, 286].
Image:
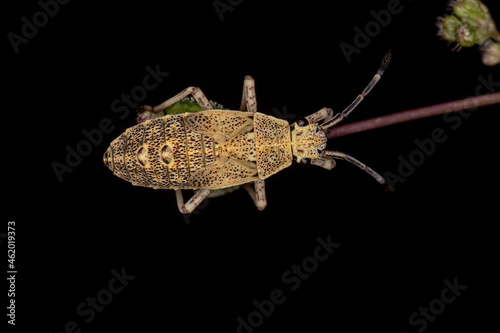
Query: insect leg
[258, 194]
[341, 116]
[192, 203]
[145, 111]
[327, 163]
[198, 95]
[343, 156]
[324, 114]
[248, 99]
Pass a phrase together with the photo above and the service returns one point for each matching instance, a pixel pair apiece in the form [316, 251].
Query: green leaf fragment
[183, 106]
[188, 104]
[222, 191]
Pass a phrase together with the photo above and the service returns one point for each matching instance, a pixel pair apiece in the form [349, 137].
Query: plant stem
[404, 116]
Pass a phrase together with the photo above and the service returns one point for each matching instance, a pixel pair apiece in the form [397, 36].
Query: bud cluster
[469, 24]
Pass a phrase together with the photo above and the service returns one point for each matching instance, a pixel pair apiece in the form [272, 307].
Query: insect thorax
[307, 141]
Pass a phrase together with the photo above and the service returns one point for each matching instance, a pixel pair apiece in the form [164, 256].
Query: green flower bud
[490, 53]
[466, 36]
[468, 9]
[448, 27]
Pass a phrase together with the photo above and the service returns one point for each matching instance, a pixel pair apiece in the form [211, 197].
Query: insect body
[214, 149]
[209, 149]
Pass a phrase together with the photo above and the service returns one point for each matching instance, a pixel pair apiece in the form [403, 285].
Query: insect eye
[302, 121]
[305, 161]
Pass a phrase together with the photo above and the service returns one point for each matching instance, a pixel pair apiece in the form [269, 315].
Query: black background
[199, 273]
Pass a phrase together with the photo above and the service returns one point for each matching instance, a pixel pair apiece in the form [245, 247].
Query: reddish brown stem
[404, 116]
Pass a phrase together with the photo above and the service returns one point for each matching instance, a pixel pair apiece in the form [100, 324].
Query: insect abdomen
[161, 153]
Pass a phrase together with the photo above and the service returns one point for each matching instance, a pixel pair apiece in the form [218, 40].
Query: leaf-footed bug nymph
[216, 148]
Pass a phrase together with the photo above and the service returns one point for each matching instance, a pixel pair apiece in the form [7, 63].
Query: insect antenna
[341, 116]
[343, 156]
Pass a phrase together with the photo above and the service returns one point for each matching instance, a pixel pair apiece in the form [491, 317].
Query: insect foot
[144, 112]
